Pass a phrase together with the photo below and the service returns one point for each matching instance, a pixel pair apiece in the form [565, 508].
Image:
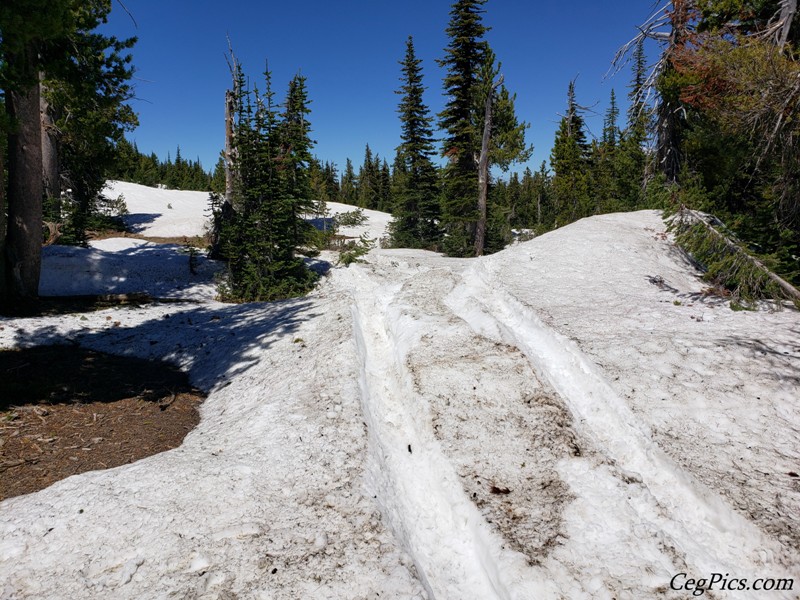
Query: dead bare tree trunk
[229, 110]
[24, 236]
[791, 292]
[539, 208]
[788, 12]
[231, 98]
[483, 171]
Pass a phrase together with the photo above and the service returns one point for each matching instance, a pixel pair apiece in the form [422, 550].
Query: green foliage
[264, 229]
[730, 267]
[572, 196]
[415, 187]
[354, 252]
[471, 70]
[352, 218]
[180, 174]
[348, 192]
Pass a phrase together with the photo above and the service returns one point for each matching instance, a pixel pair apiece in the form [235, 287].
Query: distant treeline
[178, 174]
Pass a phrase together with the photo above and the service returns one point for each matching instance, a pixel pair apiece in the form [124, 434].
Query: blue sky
[349, 51]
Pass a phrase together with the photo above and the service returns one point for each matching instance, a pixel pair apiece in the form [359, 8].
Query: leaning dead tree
[725, 259]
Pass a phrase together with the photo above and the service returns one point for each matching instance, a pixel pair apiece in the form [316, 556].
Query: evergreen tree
[604, 163]
[317, 183]
[131, 165]
[475, 99]
[630, 159]
[384, 186]
[569, 159]
[460, 120]
[416, 207]
[294, 134]
[368, 181]
[218, 177]
[272, 192]
[348, 191]
[53, 46]
[331, 181]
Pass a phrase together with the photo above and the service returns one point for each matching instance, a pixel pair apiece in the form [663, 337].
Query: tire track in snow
[418, 489]
[710, 533]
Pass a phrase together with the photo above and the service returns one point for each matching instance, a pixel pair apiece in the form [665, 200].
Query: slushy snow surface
[568, 418]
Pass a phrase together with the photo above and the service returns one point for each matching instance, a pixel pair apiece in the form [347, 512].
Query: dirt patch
[66, 410]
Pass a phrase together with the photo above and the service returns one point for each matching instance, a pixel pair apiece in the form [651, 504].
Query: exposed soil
[66, 410]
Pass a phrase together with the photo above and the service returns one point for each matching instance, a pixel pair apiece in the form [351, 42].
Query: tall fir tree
[348, 190]
[416, 193]
[605, 192]
[478, 116]
[271, 193]
[460, 120]
[630, 160]
[368, 181]
[294, 158]
[569, 159]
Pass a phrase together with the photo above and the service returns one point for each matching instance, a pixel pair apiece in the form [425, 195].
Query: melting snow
[569, 418]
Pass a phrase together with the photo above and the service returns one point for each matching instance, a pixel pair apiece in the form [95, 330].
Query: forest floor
[66, 410]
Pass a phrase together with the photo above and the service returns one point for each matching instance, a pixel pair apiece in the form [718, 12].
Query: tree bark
[51, 176]
[788, 11]
[791, 292]
[24, 236]
[3, 287]
[229, 109]
[483, 172]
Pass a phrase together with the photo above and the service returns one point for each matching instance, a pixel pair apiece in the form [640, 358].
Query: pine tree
[294, 134]
[630, 158]
[385, 200]
[569, 159]
[475, 100]
[54, 46]
[416, 207]
[604, 163]
[464, 58]
[348, 191]
[271, 193]
[368, 181]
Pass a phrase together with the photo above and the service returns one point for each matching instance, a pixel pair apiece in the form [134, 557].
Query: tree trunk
[539, 208]
[3, 287]
[483, 173]
[51, 177]
[24, 236]
[229, 109]
[788, 11]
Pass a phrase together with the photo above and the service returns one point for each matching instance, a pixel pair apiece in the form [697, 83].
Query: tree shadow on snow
[213, 344]
[782, 363]
[137, 222]
[155, 269]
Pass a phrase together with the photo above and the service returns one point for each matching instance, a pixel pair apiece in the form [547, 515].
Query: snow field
[570, 418]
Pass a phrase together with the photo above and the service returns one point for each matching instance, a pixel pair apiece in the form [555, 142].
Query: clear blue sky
[349, 51]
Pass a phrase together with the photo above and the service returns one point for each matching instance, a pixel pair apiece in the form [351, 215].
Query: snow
[160, 212]
[569, 418]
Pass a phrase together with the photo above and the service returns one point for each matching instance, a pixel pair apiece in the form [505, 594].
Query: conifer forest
[711, 129]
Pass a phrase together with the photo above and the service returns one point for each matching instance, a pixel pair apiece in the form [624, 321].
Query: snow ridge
[707, 530]
[417, 488]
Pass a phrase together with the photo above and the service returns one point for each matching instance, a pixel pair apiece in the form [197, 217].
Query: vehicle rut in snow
[417, 488]
[709, 533]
